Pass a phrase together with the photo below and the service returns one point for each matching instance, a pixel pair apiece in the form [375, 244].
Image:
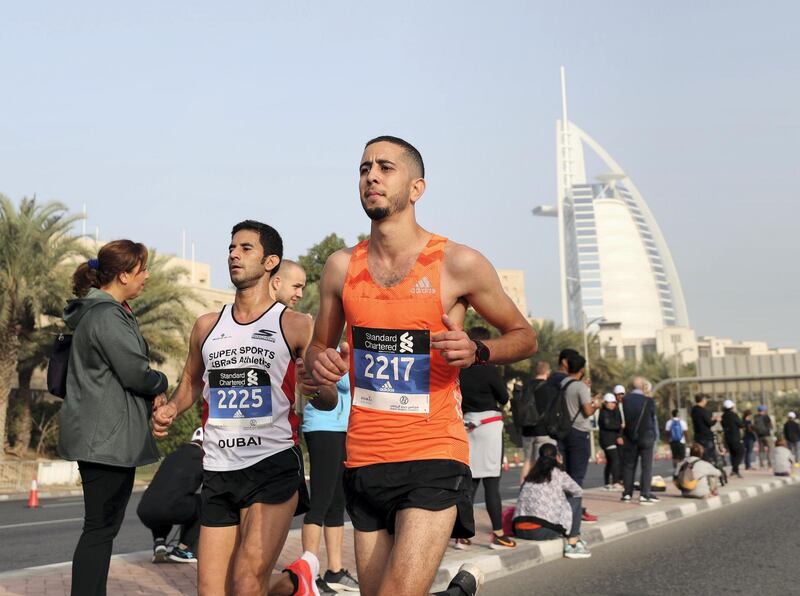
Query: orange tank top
[406, 402]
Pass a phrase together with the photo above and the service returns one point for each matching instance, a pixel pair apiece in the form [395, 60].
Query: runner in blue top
[325, 433]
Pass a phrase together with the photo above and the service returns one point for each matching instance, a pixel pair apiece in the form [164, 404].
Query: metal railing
[16, 476]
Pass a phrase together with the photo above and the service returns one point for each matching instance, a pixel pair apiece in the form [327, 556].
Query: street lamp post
[678, 374]
[586, 325]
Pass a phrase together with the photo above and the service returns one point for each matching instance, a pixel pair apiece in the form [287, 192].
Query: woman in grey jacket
[111, 389]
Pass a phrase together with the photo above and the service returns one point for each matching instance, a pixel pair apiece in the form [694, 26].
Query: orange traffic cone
[33, 497]
[505, 464]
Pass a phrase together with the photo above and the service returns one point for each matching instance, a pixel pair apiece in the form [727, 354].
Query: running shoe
[579, 550]
[304, 572]
[182, 555]
[626, 498]
[588, 518]
[341, 581]
[323, 588]
[648, 500]
[469, 579]
[160, 551]
[501, 542]
[462, 543]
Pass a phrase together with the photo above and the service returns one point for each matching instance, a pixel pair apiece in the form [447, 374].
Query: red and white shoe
[306, 570]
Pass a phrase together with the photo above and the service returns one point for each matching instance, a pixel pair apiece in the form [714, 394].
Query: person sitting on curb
[549, 505]
[706, 474]
[782, 460]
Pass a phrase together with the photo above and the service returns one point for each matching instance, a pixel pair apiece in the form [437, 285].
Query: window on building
[611, 351]
[676, 338]
[648, 349]
[629, 352]
[703, 352]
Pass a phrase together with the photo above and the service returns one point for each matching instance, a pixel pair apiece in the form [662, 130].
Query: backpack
[57, 367]
[685, 479]
[557, 420]
[760, 426]
[524, 408]
[676, 431]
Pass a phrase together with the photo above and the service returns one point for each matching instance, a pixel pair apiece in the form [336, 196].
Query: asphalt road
[746, 548]
[49, 534]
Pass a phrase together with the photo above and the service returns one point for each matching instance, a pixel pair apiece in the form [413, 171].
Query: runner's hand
[456, 347]
[159, 401]
[308, 386]
[330, 365]
[162, 420]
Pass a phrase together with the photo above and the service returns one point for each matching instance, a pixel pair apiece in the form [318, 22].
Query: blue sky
[161, 116]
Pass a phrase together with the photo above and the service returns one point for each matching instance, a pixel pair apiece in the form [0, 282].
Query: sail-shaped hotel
[615, 264]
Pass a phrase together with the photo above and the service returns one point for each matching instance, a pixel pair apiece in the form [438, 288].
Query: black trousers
[737, 454]
[631, 453]
[494, 506]
[161, 514]
[106, 491]
[613, 470]
[327, 453]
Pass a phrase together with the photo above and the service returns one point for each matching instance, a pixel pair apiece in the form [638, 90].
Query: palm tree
[34, 240]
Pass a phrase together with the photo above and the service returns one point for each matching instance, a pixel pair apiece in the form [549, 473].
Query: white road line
[42, 523]
[75, 504]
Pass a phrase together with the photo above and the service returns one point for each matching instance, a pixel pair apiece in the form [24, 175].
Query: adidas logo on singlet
[423, 286]
[387, 386]
[238, 414]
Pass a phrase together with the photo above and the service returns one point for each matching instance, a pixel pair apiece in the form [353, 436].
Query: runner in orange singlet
[403, 294]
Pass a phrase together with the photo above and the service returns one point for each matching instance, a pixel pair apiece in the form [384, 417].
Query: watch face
[481, 352]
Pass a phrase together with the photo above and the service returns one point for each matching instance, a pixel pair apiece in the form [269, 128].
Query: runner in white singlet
[244, 363]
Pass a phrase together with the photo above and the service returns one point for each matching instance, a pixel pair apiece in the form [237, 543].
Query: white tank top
[249, 381]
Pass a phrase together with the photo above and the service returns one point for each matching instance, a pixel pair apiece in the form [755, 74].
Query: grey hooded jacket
[105, 417]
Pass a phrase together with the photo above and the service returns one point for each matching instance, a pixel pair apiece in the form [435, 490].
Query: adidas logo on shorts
[423, 286]
[387, 386]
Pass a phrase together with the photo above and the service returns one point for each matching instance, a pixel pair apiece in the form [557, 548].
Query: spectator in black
[483, 396]
[791, 432]
[581, 407]
[749, 439]
[533, 437]
[639, 439]
[104, 420]
[702, 423]
[610, 425]
[731, 428]
[172, 498]
[762, 424]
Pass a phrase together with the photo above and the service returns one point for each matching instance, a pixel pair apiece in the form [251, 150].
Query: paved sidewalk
[134, 574]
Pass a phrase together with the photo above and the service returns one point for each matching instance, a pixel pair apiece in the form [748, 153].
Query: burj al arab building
[615, 264]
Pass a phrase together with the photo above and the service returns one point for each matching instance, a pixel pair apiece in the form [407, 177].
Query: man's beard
[246, 282]
[378, 213]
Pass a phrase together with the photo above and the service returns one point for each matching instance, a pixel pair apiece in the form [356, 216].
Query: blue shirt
[334, 420]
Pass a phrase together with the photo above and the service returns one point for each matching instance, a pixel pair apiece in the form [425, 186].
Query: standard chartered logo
[252, 378]
[406, 342]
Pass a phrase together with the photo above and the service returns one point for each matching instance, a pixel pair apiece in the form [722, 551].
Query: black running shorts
[377, 492]
[678, 450]
[273, 480]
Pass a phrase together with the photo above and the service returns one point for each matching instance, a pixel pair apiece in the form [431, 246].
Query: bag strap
[641, 415]
[564, 390]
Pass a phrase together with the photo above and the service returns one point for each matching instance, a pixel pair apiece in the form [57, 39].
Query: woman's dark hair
[116, 257]
[697, 450]
[543, 468]
[747, 413]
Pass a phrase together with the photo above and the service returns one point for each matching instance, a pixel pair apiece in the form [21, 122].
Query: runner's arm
[299, 328]
[325, 364]
[475, 279]
[190, 388]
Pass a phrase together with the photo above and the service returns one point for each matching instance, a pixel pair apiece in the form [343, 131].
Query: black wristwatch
[482, 353]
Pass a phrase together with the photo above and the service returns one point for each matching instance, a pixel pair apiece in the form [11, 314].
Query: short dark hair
[479, 333]
[697, 450]
[674, 413]
[575, 362]
[699, 397]
[566, 353]
[270, 240]
[411, 152]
